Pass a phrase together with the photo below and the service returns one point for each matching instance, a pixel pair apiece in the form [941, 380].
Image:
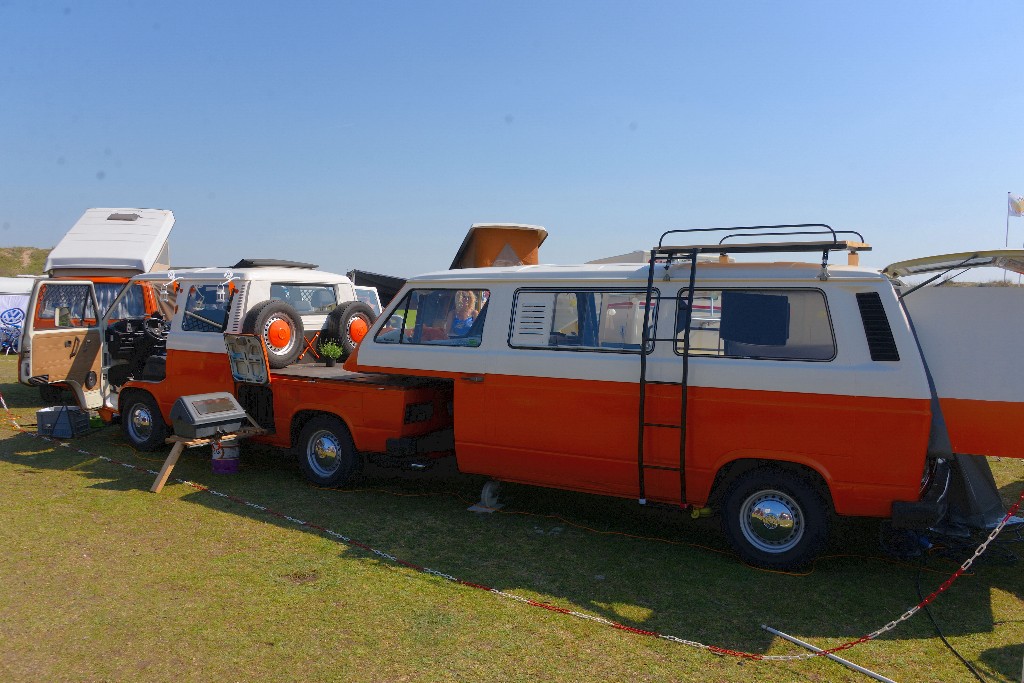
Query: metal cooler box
[203, 415]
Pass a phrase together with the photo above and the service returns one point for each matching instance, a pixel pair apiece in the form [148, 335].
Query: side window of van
[206, 309]
[437, 317]
[580, 320]
[65, 306]
[781, 324]
[305, 298]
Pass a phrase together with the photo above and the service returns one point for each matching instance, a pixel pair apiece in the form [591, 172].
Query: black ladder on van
[666, 256]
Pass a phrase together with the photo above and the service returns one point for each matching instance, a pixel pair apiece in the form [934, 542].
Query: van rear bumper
[933, 505]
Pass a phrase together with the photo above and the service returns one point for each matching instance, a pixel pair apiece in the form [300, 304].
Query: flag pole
[1006, 240]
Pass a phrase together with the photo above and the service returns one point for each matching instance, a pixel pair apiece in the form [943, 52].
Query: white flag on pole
[1015, 204]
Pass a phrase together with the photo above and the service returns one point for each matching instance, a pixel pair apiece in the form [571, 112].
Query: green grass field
[22, 260]
[105, 581]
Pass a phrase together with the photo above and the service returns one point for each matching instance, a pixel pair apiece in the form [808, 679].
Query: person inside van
[463, 315]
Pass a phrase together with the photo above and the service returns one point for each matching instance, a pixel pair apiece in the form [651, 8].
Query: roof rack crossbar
[835, 234]
[825, 230]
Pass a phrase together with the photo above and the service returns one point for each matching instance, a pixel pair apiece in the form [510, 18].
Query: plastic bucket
[225, 458]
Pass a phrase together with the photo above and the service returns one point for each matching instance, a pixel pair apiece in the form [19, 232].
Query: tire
[280, 326]
[141, 422]
[792, 533]
[327, 455]
[348, 324]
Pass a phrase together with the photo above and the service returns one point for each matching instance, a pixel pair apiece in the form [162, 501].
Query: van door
[62, 339]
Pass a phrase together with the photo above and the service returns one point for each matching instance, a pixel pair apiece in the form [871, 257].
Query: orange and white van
[780, 392]
[162, 336]
[106, 247]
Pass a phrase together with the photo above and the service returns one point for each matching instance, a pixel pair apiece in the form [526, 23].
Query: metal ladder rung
[656, 424]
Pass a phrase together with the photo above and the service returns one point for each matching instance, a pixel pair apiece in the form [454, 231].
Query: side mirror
[62, 316]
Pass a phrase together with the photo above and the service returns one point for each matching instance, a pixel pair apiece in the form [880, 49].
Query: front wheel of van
[775, 518]
[141, 421]
[327, 455]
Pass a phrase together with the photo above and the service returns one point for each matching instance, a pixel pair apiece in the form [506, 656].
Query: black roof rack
[724, 246]
[272, 263]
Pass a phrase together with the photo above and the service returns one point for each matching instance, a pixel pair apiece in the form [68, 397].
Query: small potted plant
[331, 351]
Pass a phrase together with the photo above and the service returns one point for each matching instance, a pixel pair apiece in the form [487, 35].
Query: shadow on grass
[650, 568]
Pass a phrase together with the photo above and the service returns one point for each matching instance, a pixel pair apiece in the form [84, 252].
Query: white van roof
[113, 241]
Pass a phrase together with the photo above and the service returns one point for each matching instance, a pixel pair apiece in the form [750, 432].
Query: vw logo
[12, 316]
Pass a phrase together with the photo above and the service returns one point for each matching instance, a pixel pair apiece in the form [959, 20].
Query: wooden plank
[165, 471]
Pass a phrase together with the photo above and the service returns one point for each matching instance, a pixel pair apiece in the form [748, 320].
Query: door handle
[472, 378]
[74, 349]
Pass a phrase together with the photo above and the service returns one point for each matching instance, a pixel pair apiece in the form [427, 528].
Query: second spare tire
[348, 324]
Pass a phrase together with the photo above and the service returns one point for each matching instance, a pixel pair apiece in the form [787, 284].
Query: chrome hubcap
[140, 423]
[322, 453]
[771, 521]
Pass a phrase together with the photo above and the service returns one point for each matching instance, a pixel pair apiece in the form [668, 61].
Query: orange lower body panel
[984, 427]
[583, 436]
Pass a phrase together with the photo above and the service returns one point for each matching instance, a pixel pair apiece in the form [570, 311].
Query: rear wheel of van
[775, 518]
[327, 455]
[141, 421]
[280, 326]
[348, 324]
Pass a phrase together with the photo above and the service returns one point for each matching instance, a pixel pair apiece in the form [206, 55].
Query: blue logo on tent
[12, 316]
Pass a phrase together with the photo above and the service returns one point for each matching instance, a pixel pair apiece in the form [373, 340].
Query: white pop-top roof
[133, 240]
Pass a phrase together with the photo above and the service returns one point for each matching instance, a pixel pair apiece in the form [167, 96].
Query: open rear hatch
[970, 338]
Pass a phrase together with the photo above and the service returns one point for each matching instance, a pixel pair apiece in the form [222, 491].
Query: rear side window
[437, 317]
[773, 324]
[580, 320]
[305, 298]
[206, 309]
[66, 305]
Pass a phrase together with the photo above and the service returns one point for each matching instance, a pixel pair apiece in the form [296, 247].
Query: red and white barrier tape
[553, 608]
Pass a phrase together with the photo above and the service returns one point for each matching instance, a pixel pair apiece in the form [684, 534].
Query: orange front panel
[582, 435]
[984, 427]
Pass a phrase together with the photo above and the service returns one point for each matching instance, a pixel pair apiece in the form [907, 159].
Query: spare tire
[348, 324]
[281, 329]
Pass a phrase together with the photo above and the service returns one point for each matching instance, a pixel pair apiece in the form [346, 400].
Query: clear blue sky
[372, 134]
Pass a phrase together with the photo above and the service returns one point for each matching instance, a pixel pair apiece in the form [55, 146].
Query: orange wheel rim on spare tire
[357, 329]
[279, 333]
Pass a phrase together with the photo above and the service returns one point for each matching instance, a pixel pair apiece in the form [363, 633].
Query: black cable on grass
[938, 631]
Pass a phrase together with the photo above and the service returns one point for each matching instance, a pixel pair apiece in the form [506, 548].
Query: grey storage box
[62, 422]
[204, 415]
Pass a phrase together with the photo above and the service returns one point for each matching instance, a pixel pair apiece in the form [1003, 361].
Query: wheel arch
[730, 471]
[302, 417]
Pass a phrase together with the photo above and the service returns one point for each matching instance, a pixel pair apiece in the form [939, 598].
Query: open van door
[61, 343]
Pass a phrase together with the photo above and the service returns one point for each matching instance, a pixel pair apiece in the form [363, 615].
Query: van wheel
[280, 326]
[348, 324]
[327, 455]
[141, 421]
[775, 519]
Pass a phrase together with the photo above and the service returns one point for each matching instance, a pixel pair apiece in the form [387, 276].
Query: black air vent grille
[876, 327]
